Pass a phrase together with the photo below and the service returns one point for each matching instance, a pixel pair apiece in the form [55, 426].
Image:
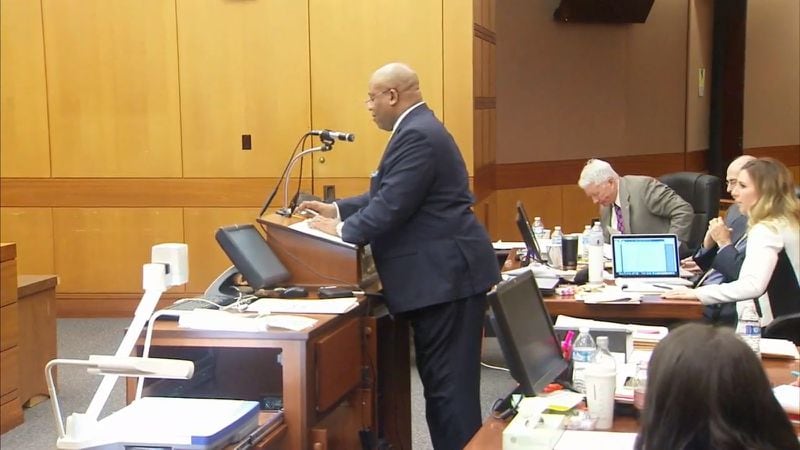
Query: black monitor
[528, 237]
[252, 257]
[525, 334]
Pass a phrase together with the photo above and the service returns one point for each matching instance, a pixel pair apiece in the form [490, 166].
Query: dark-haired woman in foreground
[706, 389]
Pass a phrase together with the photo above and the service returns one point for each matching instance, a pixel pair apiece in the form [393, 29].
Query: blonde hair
[776, 195]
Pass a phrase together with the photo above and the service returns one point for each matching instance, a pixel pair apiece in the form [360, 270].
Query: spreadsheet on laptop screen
[645, 256]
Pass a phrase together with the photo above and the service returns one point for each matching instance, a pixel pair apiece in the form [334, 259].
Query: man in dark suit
[723, 250]
[434, 259]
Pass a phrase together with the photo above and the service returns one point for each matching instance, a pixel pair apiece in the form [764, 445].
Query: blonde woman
[765, 192]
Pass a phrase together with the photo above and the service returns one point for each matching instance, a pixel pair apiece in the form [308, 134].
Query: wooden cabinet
[10, 405]
[36, 300]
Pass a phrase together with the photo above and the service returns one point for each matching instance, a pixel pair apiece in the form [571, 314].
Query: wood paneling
[32, 230]
[103, 249]
[23, 106]
[206, 258]
[244, 69]
[344, 54]
[457, 84]
[787, 154]
[112, 85]
[540, 201]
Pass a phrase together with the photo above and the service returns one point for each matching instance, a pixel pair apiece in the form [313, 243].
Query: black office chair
[786, 326]
[702, 191]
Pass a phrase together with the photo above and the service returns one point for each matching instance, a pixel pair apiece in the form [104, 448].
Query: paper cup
[600, 387]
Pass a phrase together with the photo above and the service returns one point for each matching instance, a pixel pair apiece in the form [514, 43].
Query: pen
[662, 286]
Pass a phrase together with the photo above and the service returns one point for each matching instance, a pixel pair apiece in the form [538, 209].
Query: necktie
[620, 223]
[713, 276]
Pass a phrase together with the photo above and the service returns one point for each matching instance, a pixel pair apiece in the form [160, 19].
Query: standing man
[722, 253]
[636, 204]
[434, 258]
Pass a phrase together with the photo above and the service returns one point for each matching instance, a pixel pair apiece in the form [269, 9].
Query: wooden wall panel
[539, 201]
[24, 142]
[578, 208]
[32, 230]
[112, 79]
[457, 85]
[206, 258]
[243, 70]
[344, 54]
[103, 249]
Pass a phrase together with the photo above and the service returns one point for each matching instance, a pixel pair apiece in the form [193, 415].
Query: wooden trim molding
[138, 192]
[787, 154]
[108, 305]
[485, 103]
[483, 33]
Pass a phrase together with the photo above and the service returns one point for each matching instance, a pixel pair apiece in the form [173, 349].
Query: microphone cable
[300, 144]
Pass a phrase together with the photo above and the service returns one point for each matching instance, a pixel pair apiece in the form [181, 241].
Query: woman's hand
[680, 293]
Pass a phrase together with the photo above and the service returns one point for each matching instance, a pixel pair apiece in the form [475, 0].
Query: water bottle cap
[583, 329]
[602, 341]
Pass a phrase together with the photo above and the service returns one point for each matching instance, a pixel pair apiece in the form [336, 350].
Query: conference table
[490, 435]
[651, 309]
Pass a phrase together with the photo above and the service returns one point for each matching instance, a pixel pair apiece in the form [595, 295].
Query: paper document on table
[539, 271]
[608, 294]
[641, 333]
[309, 306]
[214, 319]
[789, 397]
[304, 228]
[294, 323]
[573, 440]
[778, 348]
[509, 245]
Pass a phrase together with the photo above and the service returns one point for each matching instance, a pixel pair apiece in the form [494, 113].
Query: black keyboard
[210, 303]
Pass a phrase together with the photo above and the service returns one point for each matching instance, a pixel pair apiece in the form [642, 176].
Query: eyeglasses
[372, 98]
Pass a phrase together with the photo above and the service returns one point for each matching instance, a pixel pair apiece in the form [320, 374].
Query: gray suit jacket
[650, 207]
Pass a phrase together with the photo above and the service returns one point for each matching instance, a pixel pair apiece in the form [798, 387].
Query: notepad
[326, 306]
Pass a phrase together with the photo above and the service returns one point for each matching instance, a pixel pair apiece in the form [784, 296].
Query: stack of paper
[644, 336]
[308, 306]
[778, 348]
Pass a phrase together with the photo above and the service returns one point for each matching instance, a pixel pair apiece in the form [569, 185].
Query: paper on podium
[304, 228]
[308, 306]
[213, 319]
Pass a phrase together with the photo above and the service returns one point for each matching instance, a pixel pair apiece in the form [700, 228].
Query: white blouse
[761, 256]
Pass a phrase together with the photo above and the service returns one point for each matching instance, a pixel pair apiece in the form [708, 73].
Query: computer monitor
[252, 257]
[528, 237]
[525, 334]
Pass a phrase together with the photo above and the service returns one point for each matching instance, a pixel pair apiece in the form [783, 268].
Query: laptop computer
[647, 258]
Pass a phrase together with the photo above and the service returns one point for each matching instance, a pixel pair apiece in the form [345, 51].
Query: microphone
[328, 135]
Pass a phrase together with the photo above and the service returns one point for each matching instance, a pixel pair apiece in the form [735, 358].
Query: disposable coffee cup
[569, 252]
[600, 387]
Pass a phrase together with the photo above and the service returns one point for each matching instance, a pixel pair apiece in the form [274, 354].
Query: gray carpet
[78, 338]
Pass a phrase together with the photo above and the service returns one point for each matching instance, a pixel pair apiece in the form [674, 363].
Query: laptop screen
[645, 255]
[524, 226]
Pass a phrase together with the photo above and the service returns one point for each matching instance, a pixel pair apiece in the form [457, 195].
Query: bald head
[733, 170]
[392, 90]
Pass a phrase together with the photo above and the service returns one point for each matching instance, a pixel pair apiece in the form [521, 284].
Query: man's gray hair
[596, 171]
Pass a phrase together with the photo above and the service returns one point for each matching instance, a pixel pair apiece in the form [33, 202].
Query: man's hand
[719, 232]
[323, 209]
[324, 224]
[681, 293]
[690, 265]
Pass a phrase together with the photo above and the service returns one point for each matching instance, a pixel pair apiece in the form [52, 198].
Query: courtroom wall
[122, 121]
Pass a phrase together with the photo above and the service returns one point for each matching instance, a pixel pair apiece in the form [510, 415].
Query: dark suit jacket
[428, 246]
[727, 261]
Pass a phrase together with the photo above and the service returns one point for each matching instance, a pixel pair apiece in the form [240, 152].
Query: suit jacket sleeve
[729, 262]
[407, 172]
[663, 201]
[348, 206]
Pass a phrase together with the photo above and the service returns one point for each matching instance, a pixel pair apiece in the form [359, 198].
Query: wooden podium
[316, 261]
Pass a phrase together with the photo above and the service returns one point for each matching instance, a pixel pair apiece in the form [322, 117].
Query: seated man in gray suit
[636, 204]
[722, 253]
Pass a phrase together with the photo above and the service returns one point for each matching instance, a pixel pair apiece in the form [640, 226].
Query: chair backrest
[700, 190]
[784, 327]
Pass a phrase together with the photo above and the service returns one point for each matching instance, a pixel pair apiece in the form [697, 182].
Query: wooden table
[327, 376]
[490, 436]
[652, 308]
[37, 337]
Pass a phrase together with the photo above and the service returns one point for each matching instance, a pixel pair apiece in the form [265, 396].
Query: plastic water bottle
[601, 376]
[583, 243]
[538, 227]
[582, 353]
[749, 328]
[596, 254]
[554, 254]
[640, 386]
